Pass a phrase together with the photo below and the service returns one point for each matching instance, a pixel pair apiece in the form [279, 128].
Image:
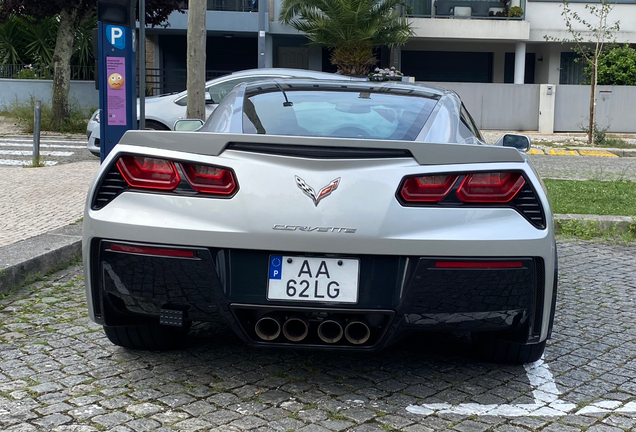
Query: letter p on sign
[115, 36]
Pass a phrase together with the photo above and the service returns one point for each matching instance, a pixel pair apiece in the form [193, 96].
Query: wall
[516, 107]
[614, 108]
[82, 94]
[499, 106]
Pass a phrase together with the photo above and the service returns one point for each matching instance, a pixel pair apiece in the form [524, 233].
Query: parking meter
[117, 71]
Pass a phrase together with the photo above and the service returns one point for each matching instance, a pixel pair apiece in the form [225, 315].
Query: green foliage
[592, 197]
[515, 12]
[83, 43]
[39, 40]
[600, 135]
[12, 41]
[22, 113]
[616, 66]
[351, 28]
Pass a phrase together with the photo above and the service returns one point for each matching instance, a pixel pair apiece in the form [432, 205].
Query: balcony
[471, 9]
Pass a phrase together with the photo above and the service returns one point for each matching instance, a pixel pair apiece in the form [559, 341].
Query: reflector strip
[144, 250]
[478, 264]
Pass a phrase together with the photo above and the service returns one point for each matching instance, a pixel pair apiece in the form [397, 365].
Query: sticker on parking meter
[116, 90]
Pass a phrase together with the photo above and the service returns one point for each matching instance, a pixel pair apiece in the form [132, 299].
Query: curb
[603, 224]
[27, 259]
[23, 261]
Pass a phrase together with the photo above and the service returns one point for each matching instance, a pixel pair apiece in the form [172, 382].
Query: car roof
[301, 73]
[407, 89]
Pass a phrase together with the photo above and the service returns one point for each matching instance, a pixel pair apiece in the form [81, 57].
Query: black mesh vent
[112, 184]
[318, 152]
[539, 297]
[96, 279]
[527, 203]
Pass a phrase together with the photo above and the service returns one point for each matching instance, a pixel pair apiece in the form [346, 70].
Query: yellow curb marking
[558, 152]
[535, 151]
[601, 153]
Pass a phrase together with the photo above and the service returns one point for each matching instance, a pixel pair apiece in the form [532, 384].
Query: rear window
[344, 114]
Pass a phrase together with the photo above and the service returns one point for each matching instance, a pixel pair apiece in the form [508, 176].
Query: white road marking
[546, 401]
[42, 140]
[14, 162]
[30, 152]
[14, 144]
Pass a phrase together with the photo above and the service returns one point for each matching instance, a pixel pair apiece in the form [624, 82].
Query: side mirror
[187, 125]
[520, 142]
[208, 99]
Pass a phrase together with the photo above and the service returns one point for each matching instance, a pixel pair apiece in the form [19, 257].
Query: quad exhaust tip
[357, 331]
[296, 328]
[330, 330]
[267, 328]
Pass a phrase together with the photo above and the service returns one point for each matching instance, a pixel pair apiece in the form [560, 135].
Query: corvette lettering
[280, 227]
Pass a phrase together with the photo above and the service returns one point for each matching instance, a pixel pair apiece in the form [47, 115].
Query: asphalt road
[58, 371]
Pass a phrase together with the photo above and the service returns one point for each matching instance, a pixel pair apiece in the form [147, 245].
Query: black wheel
[490, 347]
[155, 125]
[149, 337]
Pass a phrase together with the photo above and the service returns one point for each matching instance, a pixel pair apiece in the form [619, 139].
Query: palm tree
[352, 28]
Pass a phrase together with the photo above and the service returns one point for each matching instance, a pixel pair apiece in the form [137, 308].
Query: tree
[616, 66]
[195, 81]
[589, 44]
[71, 15]
[351, 28]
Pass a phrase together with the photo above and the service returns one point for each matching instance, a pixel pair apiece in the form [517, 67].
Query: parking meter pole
[117, 70]
[142, 64]
[37, 119]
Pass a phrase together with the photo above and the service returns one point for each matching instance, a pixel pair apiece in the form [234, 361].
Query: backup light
[492, 187]
[430, 188]
[209, 179]
[148, 173]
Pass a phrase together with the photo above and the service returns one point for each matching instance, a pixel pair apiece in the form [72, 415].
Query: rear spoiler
[213, 144]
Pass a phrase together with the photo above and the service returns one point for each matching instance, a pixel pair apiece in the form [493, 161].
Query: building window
[572, 69]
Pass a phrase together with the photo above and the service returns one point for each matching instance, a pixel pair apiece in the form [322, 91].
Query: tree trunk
[353, 60]
[62, 65]
[592, 124]
[196, 59]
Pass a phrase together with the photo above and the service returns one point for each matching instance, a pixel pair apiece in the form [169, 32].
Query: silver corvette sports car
[327, 215]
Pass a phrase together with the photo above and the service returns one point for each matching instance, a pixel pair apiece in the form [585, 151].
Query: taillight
[209, 179]
[491, 187]
[431, 188]
[147, 172]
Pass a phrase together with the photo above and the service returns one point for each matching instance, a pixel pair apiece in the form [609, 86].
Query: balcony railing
[480, 9]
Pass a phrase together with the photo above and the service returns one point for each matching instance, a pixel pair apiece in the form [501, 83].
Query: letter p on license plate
[328, 280]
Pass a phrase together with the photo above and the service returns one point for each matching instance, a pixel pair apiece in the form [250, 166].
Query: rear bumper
[397, 294]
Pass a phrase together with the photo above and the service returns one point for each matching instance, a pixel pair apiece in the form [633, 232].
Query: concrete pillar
[269, 50]
[498, 65]
[520, 62]
[547, 97]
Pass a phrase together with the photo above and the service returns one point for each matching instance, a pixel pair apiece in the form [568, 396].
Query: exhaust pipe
[330, 330]
[357, 331]
[296, 328]
[267, 328]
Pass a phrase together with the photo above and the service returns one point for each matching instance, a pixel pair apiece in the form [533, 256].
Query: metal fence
[29, 71]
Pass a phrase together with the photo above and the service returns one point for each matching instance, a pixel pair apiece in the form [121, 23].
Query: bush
[600, 135]
[23, 112]
[515, 12]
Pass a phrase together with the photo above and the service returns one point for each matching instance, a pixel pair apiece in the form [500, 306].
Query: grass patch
[592, 197]
[22, 113]
[616, 143]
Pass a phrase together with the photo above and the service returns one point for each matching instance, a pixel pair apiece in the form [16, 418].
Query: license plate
[330, 280]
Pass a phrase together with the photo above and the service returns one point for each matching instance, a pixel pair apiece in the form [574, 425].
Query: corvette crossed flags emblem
[324, 192]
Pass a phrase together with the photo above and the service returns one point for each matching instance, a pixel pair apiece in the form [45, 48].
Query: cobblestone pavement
[58, 372]
[17, 151]
[37, 200]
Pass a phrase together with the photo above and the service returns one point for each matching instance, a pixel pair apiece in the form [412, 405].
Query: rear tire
[149, 337]
[491, 348]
